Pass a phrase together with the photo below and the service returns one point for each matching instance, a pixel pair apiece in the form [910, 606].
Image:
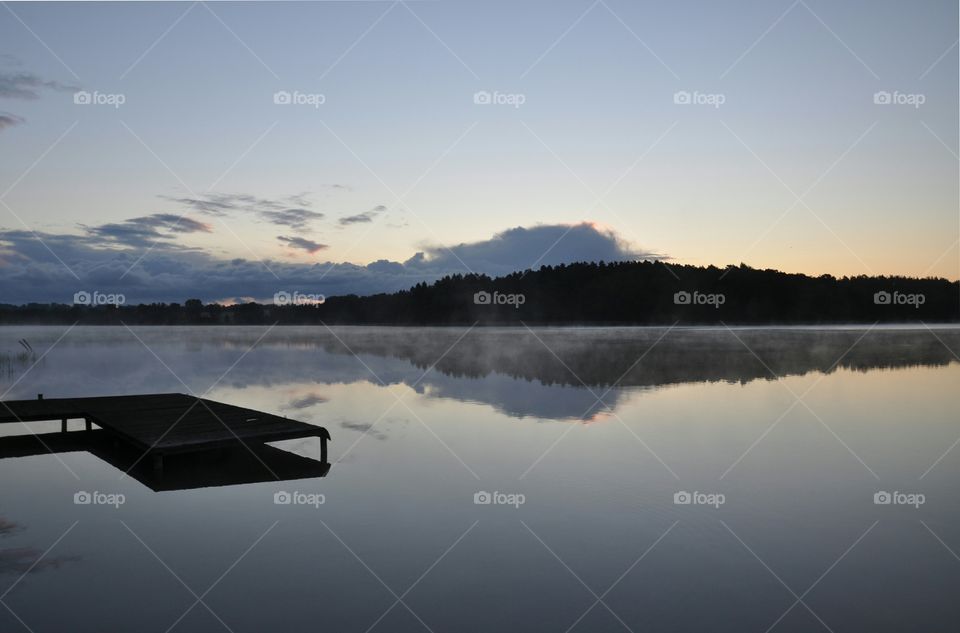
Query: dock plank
[165, 423]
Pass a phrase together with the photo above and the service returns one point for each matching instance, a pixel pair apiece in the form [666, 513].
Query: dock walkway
[165, 424]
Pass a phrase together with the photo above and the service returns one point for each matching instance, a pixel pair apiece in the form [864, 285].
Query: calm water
[588, 435]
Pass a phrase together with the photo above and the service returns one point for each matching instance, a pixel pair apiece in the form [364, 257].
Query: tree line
[625, 293]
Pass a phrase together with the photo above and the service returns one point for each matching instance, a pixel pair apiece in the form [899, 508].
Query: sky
[233, 150]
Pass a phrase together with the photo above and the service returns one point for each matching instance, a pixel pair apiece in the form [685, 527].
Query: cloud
[147, 230]
[210, 204]
[366, 216]
[521, 248]
[300, 199]
[304, 402]
[294, 218]
[101, 257]
[222, 203]
[22, 85]
[9, 120]
[24, 560]
[8, 527]
[289, 211]
[302, 243]
[365, 428]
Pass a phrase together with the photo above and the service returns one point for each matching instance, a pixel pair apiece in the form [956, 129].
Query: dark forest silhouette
[641, 293]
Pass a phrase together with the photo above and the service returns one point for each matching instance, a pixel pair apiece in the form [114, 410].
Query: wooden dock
[158, 425]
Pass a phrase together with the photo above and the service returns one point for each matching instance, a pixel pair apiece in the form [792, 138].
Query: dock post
[63, 425]
[88, 423]
[323, 449]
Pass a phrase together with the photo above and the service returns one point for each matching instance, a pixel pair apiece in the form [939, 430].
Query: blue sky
[200, 181]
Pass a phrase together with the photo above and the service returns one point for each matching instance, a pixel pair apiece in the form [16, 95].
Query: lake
[555, 479]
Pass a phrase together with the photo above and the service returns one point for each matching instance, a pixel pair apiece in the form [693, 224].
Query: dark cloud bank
[110, 258]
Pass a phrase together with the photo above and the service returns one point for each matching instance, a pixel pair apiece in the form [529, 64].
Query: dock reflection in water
[226, 466]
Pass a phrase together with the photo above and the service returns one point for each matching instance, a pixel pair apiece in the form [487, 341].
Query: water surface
[595, 430]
